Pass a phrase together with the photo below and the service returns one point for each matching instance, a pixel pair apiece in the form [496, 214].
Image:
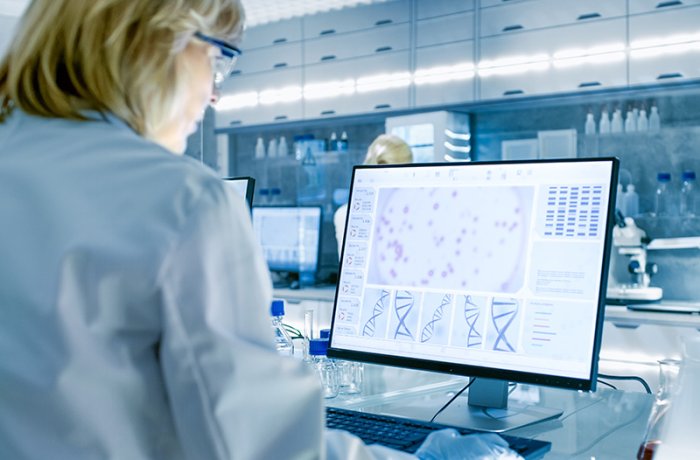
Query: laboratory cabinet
[539, 74]
[394, 37]
[269, 58]
[459, 87]
[372, 95]
[539, 14]
[268, 85]
[271, 34]
[646, 6]
[434, 8]
[676, 61]
[349, 20]
[445, 29]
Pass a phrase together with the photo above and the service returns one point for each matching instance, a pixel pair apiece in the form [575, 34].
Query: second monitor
[290, 238]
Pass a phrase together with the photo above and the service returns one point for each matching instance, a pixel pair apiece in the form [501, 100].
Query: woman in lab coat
[133, 298]
[134, 301]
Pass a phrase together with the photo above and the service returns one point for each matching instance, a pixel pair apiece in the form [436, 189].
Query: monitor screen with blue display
[494, 270]
[290, 237]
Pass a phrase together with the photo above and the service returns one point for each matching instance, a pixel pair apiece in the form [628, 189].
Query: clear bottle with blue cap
[350, 373]
[662, 198]
[283, 342]
[325, 368]
[687, 197]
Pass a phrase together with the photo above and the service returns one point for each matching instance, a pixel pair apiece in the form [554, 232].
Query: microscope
[629, 279]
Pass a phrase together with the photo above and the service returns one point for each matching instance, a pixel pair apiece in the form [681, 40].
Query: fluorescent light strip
[237, 101]
[281, 95]
[594, 59]
[665, 50]
[443, 74]
[459, 136]
[330, 89]
[383, 81]
[664, 41]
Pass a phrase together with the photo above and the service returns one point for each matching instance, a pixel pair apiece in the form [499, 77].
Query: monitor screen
[493, 270]
[244, 186]
[290, 236]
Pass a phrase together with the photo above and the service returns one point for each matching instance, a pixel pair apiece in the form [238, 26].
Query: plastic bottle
[260, 149]
[283, 343]
[642, 122]
[630, 202]
[343, 142]
[333, 142]
[630, 123]
[662, 199]
[311, 188]
[282, 149]
[616, 123]
[619, 198]
[590, 124]
[604, 123]
[272, 148]
[687, 196]
[325, 368]
[654, 120]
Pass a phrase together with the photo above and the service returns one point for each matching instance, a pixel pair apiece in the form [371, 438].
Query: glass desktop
[490, 270]
[290, 238]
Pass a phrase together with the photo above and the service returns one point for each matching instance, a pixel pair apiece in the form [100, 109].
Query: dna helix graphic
[429, 329]
[503, 313]
[402, 307]
[471, 315]
[369, 328]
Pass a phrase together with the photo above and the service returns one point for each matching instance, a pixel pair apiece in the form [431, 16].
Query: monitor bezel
[250, 188]
[588, 384]
[320, 236]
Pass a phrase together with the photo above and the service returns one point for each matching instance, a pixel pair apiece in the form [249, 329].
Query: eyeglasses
[224, 62]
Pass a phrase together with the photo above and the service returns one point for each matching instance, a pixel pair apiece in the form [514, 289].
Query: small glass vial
[687, 197]
[283, 342]
[668, 385]
[325, 368]
[662, 198]
[350, 373]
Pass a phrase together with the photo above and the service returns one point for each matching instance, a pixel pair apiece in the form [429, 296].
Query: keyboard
[407, 435]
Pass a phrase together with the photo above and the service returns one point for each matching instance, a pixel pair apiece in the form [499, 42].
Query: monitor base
[517, 415]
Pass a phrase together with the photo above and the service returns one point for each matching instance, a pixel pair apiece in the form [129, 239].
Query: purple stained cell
[458, 252]
[405, 209]
[444, 274]
[476, 271]
[459, 240]
[513, 227]
[464, 231]
[454, 193]
[431, 272]
[392, 272]
[517, 210]
[391, 229]
[410, 226]
[464, 284]
[476, 219]
[391, 210]
[436, 205]
[424, 282]
[382, 257]
[502, 241]
[430, 223]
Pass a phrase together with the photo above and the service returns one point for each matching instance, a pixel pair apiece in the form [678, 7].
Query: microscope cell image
[504, 319]
[437, 311]
[457, 238]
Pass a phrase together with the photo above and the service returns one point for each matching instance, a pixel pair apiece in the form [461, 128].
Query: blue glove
[449, 444]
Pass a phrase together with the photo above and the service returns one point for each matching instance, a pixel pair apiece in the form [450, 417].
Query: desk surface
[606, 424]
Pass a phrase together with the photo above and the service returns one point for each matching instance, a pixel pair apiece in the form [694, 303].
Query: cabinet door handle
[626, 326]
[280, 65]
[382, 106]
[512, 28]
[666, 76]
[588, 84]
[327, 32]
[670, 3]
[513, 92]
[281, 117]
[236, 122]
[236, 72]
[328, 112]
[279, 40]
[329, 57]
[383, 22]
[382, 49]
[583, 17]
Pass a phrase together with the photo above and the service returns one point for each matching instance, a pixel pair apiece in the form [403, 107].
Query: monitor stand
[488, 408]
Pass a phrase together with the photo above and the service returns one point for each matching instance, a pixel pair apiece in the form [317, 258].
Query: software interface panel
[487, 265]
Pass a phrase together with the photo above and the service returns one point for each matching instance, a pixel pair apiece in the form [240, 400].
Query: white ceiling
[257, 11]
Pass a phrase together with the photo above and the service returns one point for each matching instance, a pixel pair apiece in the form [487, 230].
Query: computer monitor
[244, 186]
[494, 270]
[290, 238]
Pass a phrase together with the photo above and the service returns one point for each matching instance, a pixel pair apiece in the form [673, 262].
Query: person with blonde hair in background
[386, 149]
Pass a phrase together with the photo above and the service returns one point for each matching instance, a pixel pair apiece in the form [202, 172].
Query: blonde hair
[109, 56]
[388, 149]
